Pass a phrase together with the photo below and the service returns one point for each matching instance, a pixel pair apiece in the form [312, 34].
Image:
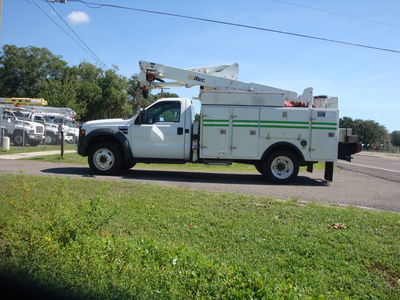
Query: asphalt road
[348, 187]
[374, 164]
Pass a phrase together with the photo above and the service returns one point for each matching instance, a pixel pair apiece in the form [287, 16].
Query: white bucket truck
[273, 129]
[20, 131]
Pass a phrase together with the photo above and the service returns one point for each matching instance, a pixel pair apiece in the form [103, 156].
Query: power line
[99, 5]
[338, 13]
[82, 41]
[52, 20]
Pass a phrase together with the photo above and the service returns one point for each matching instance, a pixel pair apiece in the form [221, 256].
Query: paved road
[348, 188]
[374, 164]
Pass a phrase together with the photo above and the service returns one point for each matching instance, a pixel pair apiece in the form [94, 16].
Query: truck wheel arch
[284, 146]
[112, 136]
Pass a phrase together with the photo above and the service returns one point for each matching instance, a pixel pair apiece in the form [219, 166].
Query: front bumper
[35, 137]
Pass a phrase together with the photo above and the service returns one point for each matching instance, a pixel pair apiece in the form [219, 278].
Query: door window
[164, 112]
[38, 119]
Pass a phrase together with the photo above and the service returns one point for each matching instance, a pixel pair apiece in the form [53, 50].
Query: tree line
[374, 136]
[92, 92]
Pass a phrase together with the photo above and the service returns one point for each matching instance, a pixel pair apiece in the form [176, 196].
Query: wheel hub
[103, 159]
[282, 167]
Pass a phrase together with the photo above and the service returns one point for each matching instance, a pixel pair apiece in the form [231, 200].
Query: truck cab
[159, 133]
[50, 130]
[163, 130]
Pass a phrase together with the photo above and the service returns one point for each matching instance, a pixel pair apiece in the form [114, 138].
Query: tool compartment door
[324, 135]
[245, 132]
[215, 132]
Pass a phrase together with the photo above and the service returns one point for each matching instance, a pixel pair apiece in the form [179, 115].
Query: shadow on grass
[21, 287]
[187, 176]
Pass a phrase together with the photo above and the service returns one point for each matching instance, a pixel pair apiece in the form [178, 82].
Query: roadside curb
[33, 154]
[379, 154]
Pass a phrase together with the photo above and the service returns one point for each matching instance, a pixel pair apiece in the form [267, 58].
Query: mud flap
[328, 171]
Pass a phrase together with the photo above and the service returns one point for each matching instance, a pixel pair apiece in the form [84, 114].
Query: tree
[136, 95]
[164, 95]
[114, 96]
[395, 138]
[23, 70]
[63, 93]
[103, 94]
[346, 122]
[373, 135]
[89, 90]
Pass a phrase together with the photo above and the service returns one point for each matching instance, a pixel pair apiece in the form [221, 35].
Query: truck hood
[91, 125]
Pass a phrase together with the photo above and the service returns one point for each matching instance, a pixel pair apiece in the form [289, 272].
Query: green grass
[123, 240]
[20, 149]
[75, 158]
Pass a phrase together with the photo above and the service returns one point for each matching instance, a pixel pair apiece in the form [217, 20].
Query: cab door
[162, 135]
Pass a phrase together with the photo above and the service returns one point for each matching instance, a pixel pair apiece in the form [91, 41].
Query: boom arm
[218, 78]
[23, 101]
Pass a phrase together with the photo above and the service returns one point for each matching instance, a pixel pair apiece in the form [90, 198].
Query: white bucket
[6, 143]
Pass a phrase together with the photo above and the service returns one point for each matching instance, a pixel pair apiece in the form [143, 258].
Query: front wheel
[260, 168]
[281, 166]
[105, 159]
[18, 138]
[128, 166]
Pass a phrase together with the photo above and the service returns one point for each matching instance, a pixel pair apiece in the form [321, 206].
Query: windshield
[22, 115]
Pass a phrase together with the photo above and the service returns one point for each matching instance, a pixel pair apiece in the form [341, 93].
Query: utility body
[273, 129]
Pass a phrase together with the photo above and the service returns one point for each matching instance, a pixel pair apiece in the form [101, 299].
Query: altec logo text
[196, 78]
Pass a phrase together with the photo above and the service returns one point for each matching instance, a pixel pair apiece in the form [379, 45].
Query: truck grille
[39, 129]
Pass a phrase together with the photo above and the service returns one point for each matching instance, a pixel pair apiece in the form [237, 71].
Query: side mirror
[142, 117]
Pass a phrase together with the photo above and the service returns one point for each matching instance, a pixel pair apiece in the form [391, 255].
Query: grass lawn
[125, 240]
[75, 158]
[20, 149]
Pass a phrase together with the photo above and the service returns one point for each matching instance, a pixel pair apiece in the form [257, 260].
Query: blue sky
[366, 81]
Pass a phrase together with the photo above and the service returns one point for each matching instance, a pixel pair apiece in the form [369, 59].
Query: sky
[366, 81]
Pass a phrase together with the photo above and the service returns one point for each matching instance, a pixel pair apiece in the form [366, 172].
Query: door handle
[179, 131]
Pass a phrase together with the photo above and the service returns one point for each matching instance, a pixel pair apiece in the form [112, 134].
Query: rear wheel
[50, 138]
[281, 166]
[105, 159]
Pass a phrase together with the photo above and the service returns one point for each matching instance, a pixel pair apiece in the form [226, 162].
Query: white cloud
[78, 17]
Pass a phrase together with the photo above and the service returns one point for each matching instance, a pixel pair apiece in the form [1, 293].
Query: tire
[260, 168]
[34, 143]
[281, 166]
[50, 138]
[128, 166]
[105, 159]
[18, 138]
